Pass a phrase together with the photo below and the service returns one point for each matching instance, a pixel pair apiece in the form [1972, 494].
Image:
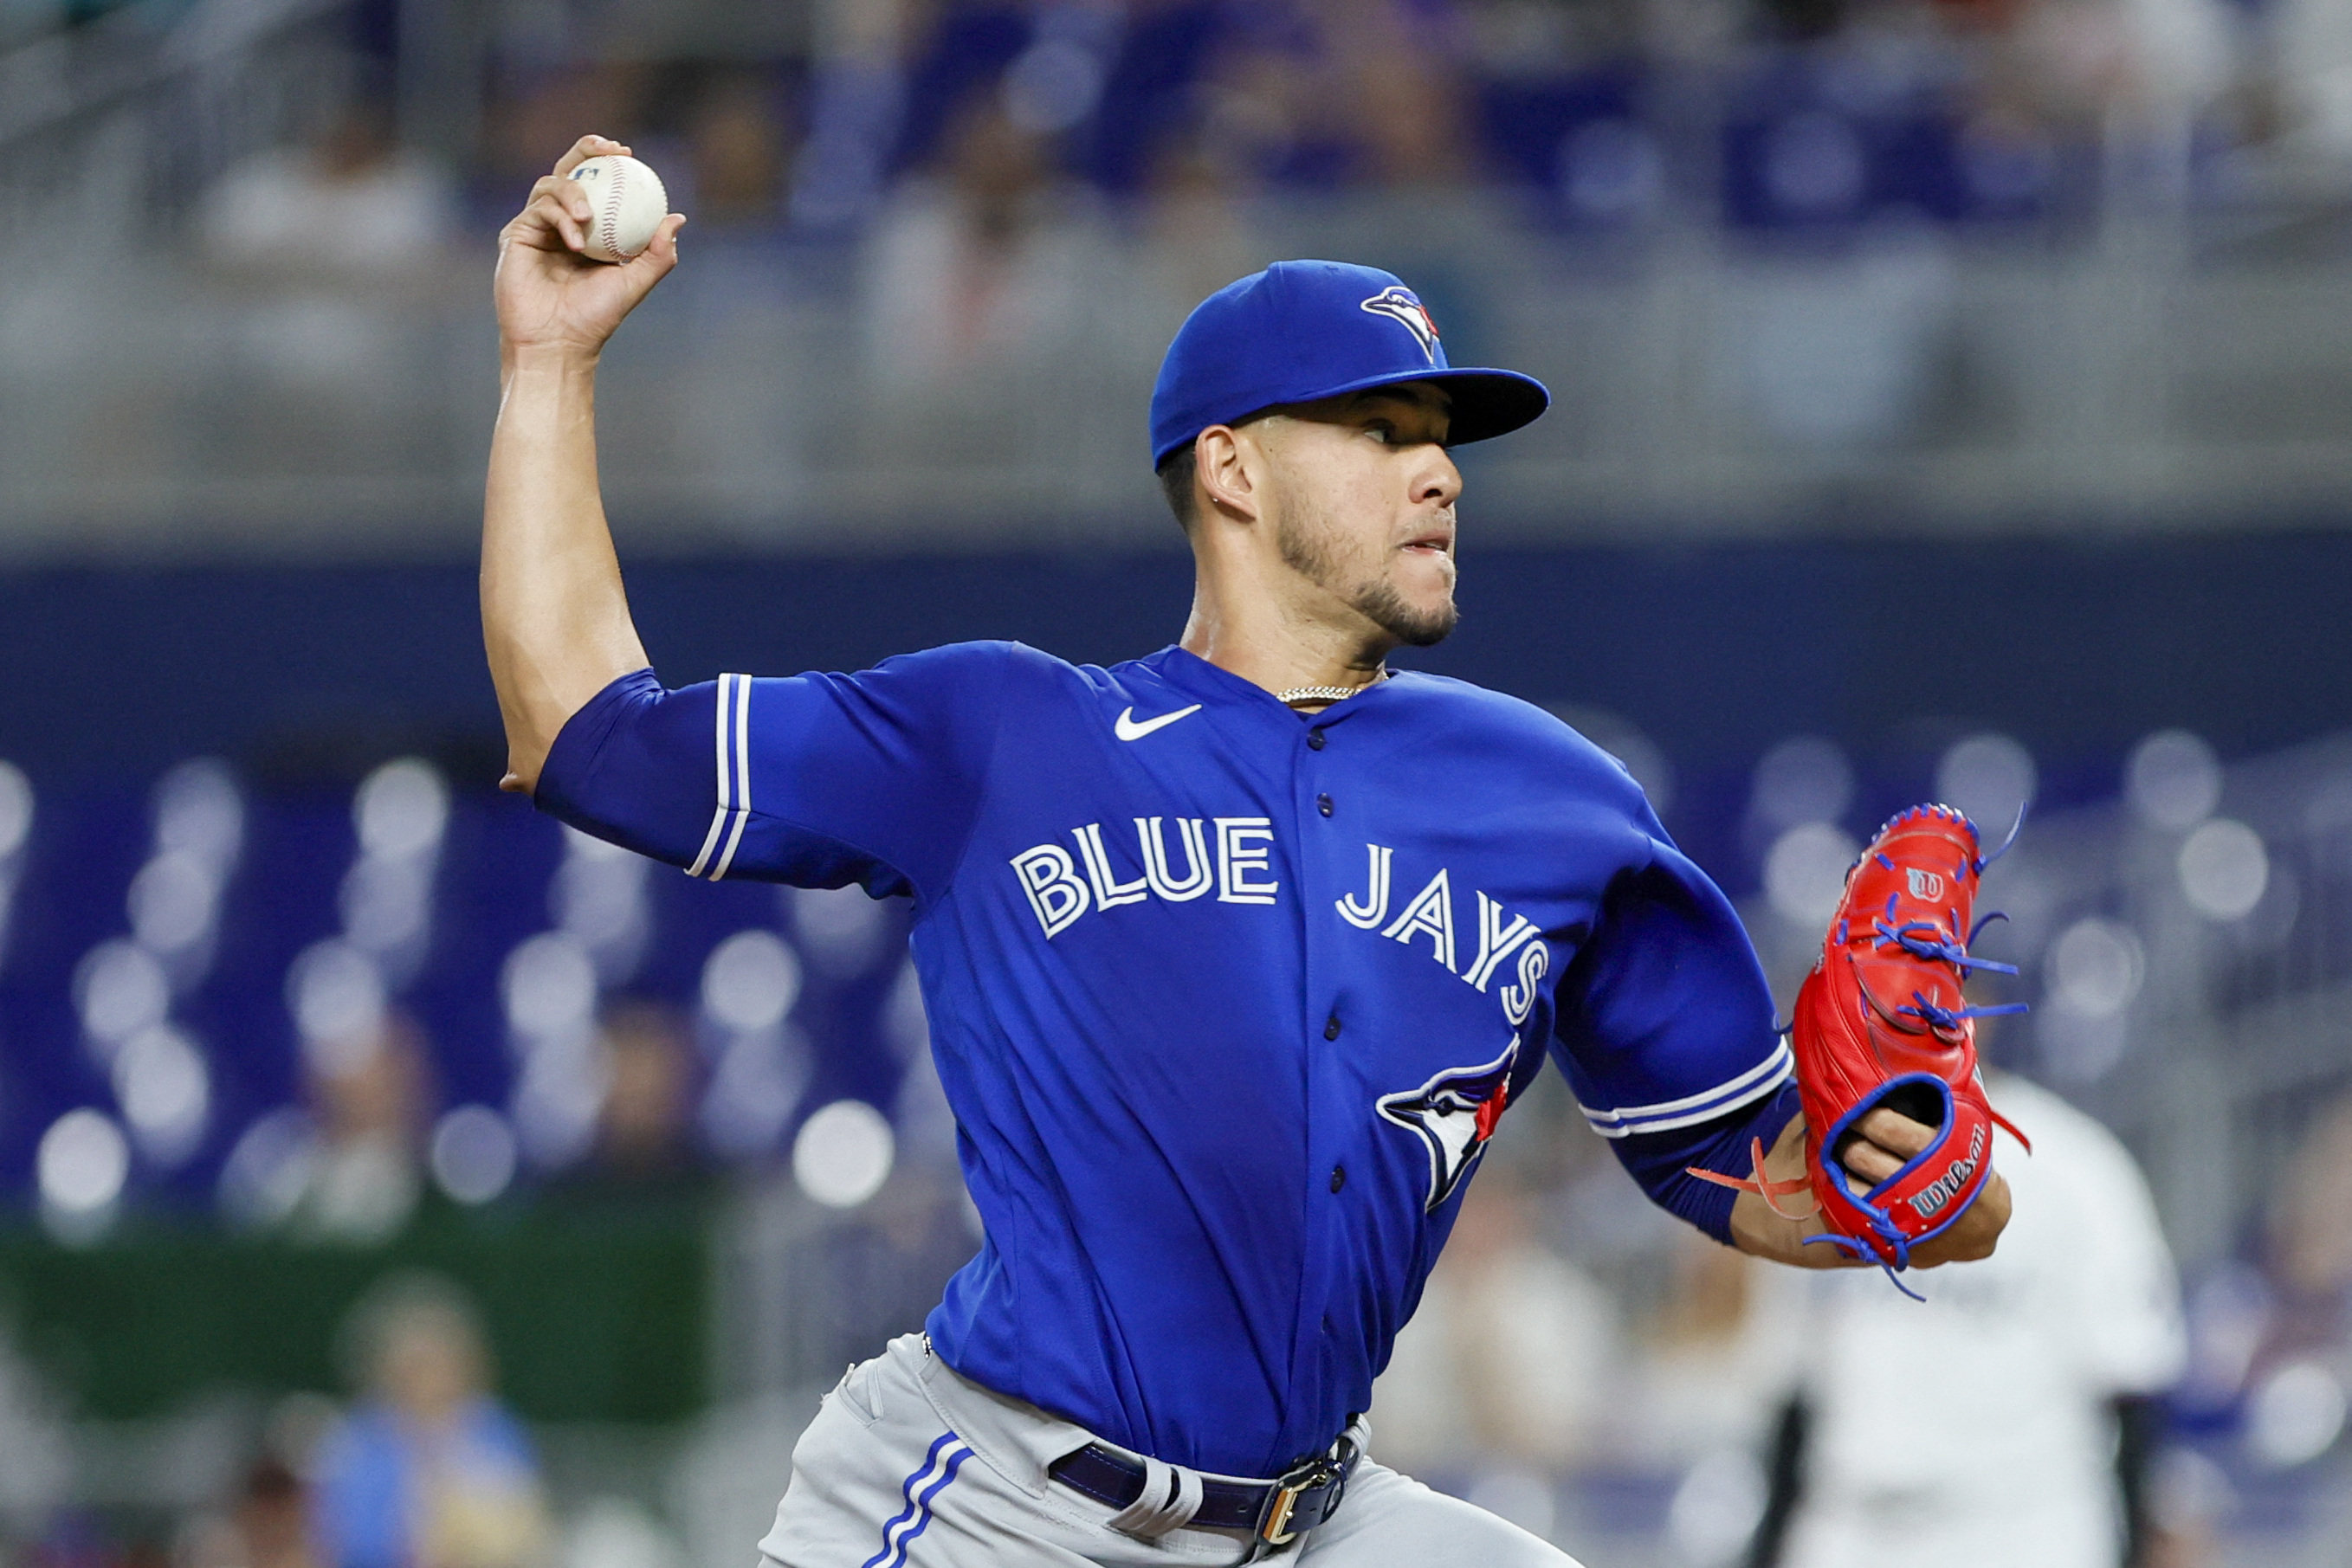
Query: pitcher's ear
[1226, 463]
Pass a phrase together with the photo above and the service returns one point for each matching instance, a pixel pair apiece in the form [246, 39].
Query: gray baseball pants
[908, 1464]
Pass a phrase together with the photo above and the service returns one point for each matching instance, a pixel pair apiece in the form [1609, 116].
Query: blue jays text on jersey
[1227, 1000]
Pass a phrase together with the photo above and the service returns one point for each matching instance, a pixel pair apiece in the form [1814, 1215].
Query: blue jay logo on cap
[1400, 305]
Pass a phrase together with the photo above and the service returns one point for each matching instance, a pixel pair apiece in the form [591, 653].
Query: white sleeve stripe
[710, 843]
[743, 743]
[718, 817]
[726, 775]
[1762, 1069]
[1748, 1087]
[742, 773]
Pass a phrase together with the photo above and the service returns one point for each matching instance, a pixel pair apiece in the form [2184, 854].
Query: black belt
[1274, 1512]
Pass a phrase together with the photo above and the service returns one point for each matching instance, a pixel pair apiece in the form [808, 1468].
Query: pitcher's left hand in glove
[1886, 1068]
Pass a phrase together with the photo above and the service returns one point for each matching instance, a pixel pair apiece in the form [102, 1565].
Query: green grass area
[595, 1311]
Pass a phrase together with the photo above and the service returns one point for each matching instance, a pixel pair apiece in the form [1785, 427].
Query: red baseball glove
[1881, 1022]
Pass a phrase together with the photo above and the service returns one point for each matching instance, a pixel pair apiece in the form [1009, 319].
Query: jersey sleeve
[1663, 1019]
[818, 781]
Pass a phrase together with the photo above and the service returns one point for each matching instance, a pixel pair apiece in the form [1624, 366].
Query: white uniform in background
[1998, 1449]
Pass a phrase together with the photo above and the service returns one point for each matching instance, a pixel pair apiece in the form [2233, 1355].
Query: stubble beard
[1309, 543]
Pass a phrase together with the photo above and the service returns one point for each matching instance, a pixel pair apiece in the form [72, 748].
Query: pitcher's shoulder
[1521, 738]
[1498, 716]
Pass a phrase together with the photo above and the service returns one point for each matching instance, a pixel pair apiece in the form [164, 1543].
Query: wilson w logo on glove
[1881, 1022]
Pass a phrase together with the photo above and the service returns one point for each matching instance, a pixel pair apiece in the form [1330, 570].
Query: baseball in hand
[628, 202]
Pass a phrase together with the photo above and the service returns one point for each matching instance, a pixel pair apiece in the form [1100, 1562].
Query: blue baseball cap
[1307, 329]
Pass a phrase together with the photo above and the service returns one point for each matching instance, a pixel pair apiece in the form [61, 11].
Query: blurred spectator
[353, 208]
[642, 1129]
[736, 137]
[1398, 76]
[274, 1519]
[368, 1095]
[880, 1274]
[1708, 1357]
[35, 1468]
[1507, 1361]
[428, 1470]
[1275, 106]
[2297, 1382]
[1196, 237]
[2029, 1445]
[641, 1144]
[983, 265]
[2310, 1233]
[2149, 61]
[536, 114]
[269, 1526]
[2312, 57]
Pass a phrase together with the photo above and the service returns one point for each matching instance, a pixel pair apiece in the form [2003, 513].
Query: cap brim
[1485, 403]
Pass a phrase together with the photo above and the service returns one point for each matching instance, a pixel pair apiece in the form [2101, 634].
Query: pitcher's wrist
[563, 361]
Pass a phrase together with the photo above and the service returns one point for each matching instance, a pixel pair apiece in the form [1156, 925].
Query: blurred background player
[2050, 1360]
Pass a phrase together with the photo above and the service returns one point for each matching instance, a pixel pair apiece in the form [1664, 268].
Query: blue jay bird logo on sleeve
[1404, 308]
[1454, 1113]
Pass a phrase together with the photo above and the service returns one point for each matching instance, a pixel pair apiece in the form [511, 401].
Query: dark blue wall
[1717, 650]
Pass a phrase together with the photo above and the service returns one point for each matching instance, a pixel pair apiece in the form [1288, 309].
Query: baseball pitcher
[1236, 954]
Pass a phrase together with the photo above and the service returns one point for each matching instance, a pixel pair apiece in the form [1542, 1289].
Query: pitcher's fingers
[1868, 1161]
[568, 192]
[587, 147]
[663, 246]
[1892, 1130]
[651, 265]
[550, 214]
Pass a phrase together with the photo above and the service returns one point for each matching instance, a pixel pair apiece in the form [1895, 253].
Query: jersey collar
[1190, 673]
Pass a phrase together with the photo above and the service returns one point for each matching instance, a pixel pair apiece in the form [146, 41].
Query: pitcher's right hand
[552, 295]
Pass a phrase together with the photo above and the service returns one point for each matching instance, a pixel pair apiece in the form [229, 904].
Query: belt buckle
[1320, 1472]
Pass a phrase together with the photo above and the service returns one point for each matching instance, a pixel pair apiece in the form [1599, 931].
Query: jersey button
[1331, 1027]
[1314, 740]
[1323, 804]
[1339, 1178]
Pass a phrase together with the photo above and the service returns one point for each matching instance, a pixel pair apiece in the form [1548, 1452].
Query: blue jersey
[1227, 998]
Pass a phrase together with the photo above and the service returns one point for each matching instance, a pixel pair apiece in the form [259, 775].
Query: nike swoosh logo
[1128, 729]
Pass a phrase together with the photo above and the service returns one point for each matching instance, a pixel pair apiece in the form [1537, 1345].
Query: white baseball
[628, 204]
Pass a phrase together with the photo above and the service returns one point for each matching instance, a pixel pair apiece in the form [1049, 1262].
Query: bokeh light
[15, 808]
[843, 1153]
[2297, 1414]
[81, 1166]
[1805, 779]
[401, 808]
[751, 981]
[2173, 781]
[2095, 968]
[2223, 869]
[1804, 873]
[120, 989]
[164, 1087]
[1989, 777]
[473, 1153]
[549, 988]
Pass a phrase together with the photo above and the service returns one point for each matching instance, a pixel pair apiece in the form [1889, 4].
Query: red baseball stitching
[609, 230]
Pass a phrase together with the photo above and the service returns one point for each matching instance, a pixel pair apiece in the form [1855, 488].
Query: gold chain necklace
[1326, 693]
